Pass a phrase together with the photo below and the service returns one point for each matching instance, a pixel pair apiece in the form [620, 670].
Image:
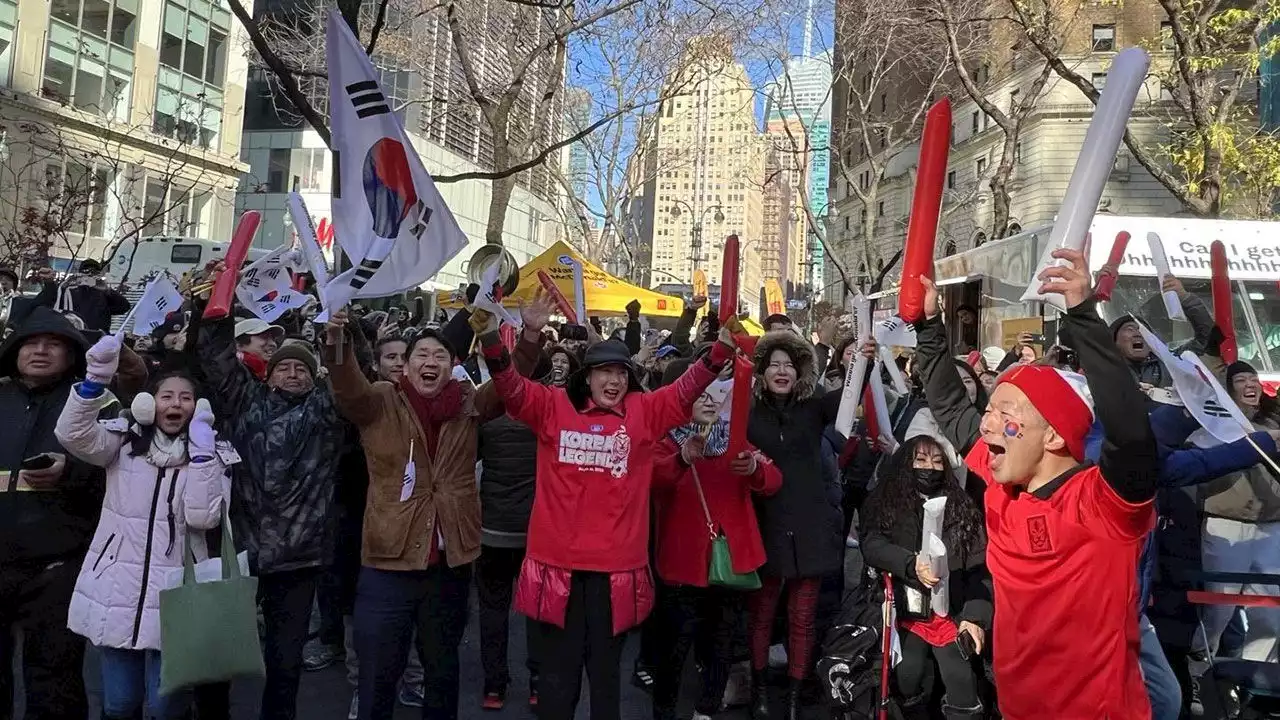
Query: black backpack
[851, 652]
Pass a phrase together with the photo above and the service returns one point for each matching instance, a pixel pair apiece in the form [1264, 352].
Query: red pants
[802, 606]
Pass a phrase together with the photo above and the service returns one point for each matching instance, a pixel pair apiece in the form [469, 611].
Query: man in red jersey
[1064, 534]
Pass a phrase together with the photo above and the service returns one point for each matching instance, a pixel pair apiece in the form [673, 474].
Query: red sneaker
[493, 701]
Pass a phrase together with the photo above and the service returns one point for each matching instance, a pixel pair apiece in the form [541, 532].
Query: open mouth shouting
[995, 455]
[430, 375]
[611, 395]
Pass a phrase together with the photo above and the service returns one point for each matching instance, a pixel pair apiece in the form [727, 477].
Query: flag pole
[1265, 457]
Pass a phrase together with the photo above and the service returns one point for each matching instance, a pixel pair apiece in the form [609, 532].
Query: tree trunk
[498, 202]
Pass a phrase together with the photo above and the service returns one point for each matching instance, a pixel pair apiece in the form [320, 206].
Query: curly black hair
[895, 500]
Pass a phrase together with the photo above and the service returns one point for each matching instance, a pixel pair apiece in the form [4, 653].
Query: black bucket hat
[603, 354]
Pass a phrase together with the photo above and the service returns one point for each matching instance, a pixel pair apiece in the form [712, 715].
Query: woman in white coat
[163, 477]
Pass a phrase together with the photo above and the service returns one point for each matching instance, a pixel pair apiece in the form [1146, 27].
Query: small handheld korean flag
[410, 476]
[157, 301]
[265, 289]
[388, 215]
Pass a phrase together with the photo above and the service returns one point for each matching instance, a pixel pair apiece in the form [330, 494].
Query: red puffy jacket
[683, 541]
[591, 509]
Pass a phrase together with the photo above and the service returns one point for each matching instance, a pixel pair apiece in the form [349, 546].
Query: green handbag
[720, 572]
[209, 630]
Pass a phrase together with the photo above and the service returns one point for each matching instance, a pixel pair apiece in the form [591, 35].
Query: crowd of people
[379, 465]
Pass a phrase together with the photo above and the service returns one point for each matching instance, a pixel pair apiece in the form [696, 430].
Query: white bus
[992, 278]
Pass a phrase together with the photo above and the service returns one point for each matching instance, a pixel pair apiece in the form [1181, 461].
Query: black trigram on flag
[1213, 408]
[365, 272]
[250, 279]
[367, 99]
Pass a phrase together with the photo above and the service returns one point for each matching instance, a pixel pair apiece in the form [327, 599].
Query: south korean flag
[389, 217]
[265, 288]
[159, 299]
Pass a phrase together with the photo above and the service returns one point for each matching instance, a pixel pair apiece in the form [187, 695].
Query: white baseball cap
[257, 326]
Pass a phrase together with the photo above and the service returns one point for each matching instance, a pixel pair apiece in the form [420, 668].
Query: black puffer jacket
[289, 446]
[508, 452]
[42, 526]
[802, 524]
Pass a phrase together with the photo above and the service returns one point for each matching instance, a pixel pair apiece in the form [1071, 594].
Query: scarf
[433, 412]
[166, 451]
[255, 364]
[717, 438]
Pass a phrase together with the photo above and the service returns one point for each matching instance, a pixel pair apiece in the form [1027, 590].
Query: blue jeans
[389, 606]
[1162, 684]
[131, 681]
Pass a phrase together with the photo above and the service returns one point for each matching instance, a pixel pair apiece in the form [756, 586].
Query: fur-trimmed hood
[802, 354]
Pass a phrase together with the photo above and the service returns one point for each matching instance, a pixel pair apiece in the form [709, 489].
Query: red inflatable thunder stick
[740, 405]
[1222, 315]
[926, 204]
[562, 302]
[1107, 278]
[729, 280]
[224, 288]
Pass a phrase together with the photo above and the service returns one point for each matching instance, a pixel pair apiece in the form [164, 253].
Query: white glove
[200, 435]
[102, 360]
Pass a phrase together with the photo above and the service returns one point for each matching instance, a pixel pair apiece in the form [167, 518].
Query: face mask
[929, 481]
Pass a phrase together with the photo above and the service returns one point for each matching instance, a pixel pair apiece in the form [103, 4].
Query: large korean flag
[387, 213]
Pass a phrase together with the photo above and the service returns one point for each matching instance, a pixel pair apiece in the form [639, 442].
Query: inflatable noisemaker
[224, 288]
[856, 373]
[926, 205]
[1222, 314]
[729, 280]
[1097, 155]
[740, 404]
[1107, 278]
[562, 303]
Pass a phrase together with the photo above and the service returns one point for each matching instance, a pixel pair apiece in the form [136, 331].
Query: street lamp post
[697, 225]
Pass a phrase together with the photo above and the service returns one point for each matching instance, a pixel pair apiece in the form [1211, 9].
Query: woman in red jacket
[585, 575]
[691, 613]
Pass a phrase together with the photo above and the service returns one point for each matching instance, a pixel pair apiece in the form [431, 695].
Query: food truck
[991, 278]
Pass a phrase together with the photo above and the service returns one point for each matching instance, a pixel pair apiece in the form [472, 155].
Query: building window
[89, 55]
[1099, 80]
[973, 122]
[1017, 152]
[193, 57]
[312, 178]
[1013, 101]
[1104, 38]
[981, 167]
[174, 211]
[77, 195]
[8, 22]
[1166, 36]
[880, 209]
[951, 180]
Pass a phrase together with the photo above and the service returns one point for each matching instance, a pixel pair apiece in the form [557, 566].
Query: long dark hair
[140, 441]
[895, 500]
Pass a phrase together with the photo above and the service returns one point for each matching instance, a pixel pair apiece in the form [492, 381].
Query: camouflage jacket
[283, 486]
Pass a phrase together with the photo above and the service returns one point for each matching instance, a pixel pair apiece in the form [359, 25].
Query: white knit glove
[102, 360]
[200, 435]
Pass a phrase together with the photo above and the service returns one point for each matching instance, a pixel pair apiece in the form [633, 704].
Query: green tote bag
[209, 630]
[721, 571]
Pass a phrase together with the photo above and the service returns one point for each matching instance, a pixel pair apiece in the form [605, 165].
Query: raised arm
[489, 402]
[1191, 466]
[1201, 320]
[943, 388]
[78, 429]
[1128, 458]
[202, 496]
[229, 379]
[684, 326]
[352, 392]
[671, 405]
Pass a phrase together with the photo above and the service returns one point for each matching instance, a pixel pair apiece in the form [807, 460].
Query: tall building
[805, 93]
[577, 111]
[118, 119]
[787, 172]
[422, 76]
[714, 189]
[1048, 146]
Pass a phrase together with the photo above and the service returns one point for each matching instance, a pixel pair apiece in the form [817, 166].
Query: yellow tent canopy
[606, 294]
[753, 328]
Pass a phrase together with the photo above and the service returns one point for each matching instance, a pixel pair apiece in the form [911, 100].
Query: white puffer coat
[137, 549]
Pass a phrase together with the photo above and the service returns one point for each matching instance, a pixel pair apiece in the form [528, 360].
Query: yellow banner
[774, 301]
[700, 288]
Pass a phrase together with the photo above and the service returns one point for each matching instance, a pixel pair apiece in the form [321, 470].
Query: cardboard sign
[1012, 327]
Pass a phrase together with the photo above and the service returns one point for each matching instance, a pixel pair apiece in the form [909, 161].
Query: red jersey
[1064, 561]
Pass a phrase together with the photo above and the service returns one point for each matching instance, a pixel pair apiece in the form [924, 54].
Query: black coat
[802, 527]
[508, 451]
[96, 306]
[968, 584]
[42, 526]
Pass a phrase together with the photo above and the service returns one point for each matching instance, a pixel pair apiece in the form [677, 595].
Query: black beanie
[1236, 368]
[1121, 322]
[295, 350]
